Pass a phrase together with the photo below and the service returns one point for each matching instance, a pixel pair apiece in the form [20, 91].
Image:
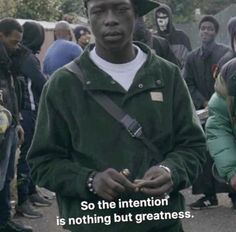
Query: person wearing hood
[199, 76]
[29, 69]
[157, 43]
[220, 126]
[178, 40]
[231, 25]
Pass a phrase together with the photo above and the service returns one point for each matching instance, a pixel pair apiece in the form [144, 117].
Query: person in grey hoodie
[178, 40]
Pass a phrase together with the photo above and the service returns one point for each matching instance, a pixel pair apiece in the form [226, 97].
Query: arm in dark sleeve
[50, 153]
[188, 74]
[162, 48]
[189, 154]
[31, 69]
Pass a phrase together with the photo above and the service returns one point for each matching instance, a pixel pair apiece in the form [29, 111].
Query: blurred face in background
[11, 41]
[162, 20]
[84, 39]
[207, 32]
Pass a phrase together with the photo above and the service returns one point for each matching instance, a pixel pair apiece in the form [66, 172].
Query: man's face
[112, 23]
[11, 41]
[85, 39]
[207, 32]
[162, 20]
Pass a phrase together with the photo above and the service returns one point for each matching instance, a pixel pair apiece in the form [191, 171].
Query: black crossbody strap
[131, 124]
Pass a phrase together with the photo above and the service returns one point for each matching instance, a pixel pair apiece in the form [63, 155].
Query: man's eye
[123, 9]
[97, 11]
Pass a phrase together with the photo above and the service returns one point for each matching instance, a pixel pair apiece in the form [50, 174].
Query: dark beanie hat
[212, 19]
[81, 30]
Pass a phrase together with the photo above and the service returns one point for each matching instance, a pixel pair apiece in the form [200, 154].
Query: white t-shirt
[122, 73]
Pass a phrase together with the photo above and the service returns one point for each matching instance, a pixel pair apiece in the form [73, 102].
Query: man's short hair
[7, 25]
[62, 25]
[212, 19]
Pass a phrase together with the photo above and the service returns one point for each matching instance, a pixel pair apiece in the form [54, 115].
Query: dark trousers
[25, 186]
[7, 165]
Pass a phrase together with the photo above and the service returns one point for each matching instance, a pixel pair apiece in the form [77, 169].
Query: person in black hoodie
[157, 43]
[232, 53]
[178, 40]
[29, 69]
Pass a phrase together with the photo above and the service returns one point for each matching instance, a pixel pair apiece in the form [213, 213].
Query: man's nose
[111, 18]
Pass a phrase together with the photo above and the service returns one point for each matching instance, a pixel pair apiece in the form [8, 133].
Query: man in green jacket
[220, 127]
[106, 180]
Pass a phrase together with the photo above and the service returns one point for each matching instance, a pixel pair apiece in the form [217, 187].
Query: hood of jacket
[170, 27]
[228, 73]
[232, 31]
[33, 36]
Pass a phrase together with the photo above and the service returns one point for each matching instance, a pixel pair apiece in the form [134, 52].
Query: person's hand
[233, 182]
[156, 182]
[110, 183]
[205, 104]
[20, 134]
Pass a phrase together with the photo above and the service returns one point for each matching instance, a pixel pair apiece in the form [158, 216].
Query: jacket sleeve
[49, 155]
[31, 69]
[220, 137]
[189, 154]
[188, 75]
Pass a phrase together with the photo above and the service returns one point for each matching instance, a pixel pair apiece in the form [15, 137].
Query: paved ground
[221, 219]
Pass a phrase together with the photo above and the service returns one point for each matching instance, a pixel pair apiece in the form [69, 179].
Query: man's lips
[112, 36]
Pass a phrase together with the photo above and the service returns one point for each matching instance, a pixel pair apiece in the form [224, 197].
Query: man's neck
[118, 57]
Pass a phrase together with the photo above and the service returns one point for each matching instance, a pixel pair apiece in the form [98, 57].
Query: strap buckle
[135, 129]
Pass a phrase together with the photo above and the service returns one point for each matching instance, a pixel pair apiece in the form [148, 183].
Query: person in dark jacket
[157, 43]
[178, 40]
[232, 35]
[84, 155]
[198, 74]
[34, 80]
[10, 36]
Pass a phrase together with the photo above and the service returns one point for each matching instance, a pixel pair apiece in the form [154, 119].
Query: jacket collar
[148, 77]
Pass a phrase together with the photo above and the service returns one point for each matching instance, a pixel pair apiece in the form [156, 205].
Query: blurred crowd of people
[209, 72]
